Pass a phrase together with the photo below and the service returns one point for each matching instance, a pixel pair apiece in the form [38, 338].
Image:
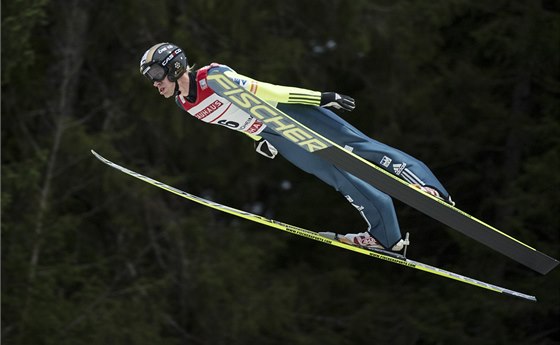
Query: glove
[337, 101]
[265, 148]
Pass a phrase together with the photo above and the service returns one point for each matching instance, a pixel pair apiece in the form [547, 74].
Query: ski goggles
[155, 72]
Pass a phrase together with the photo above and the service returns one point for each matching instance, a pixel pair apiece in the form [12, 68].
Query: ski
[396, 259]
[376, 176]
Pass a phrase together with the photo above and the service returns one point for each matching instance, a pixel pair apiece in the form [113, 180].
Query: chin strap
[177, 92]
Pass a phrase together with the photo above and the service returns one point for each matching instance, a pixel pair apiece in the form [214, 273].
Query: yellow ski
[315, 236]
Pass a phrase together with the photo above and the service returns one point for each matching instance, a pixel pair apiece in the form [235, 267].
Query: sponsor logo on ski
[391, 259]
[271, 116]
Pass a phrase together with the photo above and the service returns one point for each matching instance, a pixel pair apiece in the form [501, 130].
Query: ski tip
[100, 157]
[95, 154]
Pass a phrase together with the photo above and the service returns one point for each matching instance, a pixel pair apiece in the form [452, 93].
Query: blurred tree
[92, 257]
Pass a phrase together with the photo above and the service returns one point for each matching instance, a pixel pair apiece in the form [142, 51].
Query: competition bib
[212, 108]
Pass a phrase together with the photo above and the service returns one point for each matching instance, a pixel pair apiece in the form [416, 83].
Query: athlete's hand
[337, 101]
[265, 148]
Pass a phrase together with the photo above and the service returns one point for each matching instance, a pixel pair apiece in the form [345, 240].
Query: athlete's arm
[275, 94]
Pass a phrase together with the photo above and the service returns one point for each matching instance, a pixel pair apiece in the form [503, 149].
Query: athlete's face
[165, 87]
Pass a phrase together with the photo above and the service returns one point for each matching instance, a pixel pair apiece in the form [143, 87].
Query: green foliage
[20, 21]
[92, 257]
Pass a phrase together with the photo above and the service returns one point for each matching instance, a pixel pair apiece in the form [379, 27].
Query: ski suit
[375, 206]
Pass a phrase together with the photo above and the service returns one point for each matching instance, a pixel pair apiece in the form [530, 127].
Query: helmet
[163, 59]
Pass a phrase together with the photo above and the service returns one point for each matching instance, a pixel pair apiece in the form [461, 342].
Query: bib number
[230, 124]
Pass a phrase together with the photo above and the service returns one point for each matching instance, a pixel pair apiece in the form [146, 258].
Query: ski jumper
[375, 206]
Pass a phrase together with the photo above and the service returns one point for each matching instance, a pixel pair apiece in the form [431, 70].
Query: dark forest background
[91, 256]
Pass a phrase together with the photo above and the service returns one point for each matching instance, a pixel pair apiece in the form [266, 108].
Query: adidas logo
[398, 168]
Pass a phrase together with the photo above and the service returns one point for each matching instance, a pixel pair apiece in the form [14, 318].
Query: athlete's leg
[338, 130]
[375, 206]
